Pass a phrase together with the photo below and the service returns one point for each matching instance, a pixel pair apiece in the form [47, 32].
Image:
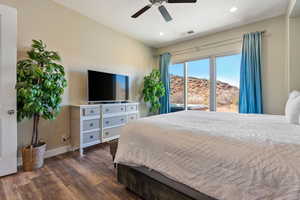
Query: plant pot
[33, 157]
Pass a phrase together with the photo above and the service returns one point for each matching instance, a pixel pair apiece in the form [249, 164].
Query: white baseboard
[58, 151]
[52, 152]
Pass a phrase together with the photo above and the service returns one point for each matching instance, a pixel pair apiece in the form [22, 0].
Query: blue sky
[228, 69]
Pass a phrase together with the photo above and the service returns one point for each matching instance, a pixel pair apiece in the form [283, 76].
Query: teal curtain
[164, 63]
[251, 100]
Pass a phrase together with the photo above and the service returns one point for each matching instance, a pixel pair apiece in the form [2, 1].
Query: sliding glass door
[210, 84]
[177, 87]
[198, 85]
[228, 82]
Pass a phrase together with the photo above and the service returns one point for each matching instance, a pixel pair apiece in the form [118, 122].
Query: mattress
[224, 155]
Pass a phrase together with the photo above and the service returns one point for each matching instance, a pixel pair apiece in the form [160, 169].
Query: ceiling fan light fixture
[162, 9]
[164, 12]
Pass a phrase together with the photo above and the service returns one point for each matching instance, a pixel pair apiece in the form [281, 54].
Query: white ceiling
[206, 16]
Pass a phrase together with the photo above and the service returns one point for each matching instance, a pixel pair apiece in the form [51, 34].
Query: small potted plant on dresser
[40, 86]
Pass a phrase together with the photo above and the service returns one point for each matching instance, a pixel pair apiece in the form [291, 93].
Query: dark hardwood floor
[68, 176]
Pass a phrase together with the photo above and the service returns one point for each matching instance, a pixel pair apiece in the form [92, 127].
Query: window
[210, 84]
[198, 85]
[177, 87]
[228, 83]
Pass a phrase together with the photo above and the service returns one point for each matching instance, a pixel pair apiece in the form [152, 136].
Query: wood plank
[76, 182]
[68, 177]
[2, 193]
[48, 188]
[11, 188]
[84, 169]
[29, 192]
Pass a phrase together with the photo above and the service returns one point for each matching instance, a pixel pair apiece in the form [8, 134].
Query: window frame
[212, 77]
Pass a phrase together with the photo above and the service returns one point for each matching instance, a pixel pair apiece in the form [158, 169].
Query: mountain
[198, 91]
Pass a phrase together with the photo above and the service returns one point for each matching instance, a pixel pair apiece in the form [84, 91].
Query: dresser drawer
[131, 108]
[91, 137]
[113, 109]
[132, 117]
[90, 124]
[114, 121]
[111, 132]
[91, 111]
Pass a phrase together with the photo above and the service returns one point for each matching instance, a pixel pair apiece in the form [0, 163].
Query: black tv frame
[109, 101]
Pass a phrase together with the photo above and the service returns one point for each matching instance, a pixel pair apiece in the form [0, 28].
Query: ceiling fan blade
[164, 12]
[137, 14]
[182, 1]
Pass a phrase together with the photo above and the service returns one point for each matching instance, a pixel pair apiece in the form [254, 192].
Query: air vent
[190, 32]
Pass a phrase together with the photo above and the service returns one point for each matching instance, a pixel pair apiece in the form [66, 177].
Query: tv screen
[107, 87]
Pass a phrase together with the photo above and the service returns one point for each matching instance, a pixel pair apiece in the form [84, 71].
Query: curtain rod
[210, 45]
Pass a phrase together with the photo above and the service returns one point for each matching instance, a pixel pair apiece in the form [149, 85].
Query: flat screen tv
[107, 87]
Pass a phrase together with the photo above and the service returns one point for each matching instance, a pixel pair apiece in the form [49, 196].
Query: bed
[224, 156]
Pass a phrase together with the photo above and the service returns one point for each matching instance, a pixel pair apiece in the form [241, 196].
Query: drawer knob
[91, 124]
[122, 108]
[122, 119]
[91, 137]
[107, 122]
[132, 117]
[92, 111]
[106, 109]
[106, 133]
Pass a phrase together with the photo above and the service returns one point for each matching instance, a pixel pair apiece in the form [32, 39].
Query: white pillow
[292, 109]
[294, 94]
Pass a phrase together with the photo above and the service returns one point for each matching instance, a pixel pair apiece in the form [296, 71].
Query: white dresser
[94, 124]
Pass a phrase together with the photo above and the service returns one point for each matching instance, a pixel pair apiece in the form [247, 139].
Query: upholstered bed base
[151, 185]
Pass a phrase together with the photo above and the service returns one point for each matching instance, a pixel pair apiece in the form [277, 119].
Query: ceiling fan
[162, 9]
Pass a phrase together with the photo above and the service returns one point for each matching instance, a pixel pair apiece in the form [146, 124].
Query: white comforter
[224, 155]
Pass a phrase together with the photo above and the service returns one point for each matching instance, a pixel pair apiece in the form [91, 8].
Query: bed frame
[151, 185]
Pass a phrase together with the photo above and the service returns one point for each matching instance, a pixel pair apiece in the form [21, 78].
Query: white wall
[274, 71]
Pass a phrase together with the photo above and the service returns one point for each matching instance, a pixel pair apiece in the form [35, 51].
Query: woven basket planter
[33, 157]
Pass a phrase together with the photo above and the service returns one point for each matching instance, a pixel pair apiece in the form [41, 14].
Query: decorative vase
[33, 157]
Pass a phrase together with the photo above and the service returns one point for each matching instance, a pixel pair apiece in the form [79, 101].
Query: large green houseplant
[153, 90]
[40, 86]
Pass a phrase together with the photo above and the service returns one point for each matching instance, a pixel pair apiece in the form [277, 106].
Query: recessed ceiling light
[233, 9]
[161, 33]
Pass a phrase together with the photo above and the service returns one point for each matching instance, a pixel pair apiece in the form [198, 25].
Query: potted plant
[40, 86]
[153, 90]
